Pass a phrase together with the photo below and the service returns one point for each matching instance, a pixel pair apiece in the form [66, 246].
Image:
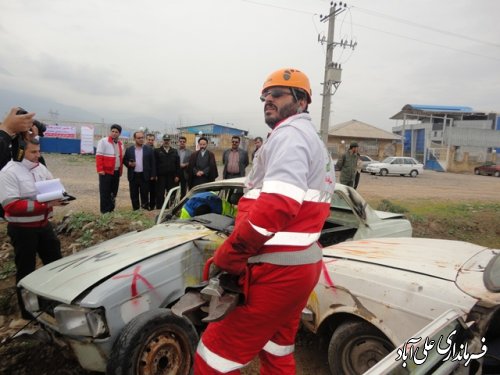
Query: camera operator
[14, 129]
[28, 219]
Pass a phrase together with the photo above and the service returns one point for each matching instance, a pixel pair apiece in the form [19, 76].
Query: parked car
[488, 169]
[401, 165]
[110, 303]
[375, 294]
[365, 161]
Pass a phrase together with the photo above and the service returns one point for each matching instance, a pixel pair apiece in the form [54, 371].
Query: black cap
[117, 127]
[166, 137]
[353, 144]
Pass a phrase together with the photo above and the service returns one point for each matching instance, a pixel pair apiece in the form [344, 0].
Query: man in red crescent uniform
[274, 244]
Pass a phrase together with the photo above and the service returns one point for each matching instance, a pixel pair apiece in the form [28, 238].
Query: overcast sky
[199, 61]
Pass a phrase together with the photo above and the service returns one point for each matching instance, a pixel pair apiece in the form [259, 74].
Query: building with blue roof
[444, 136]
[212, 129]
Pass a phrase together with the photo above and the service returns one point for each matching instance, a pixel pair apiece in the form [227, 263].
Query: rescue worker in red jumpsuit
[274, 245]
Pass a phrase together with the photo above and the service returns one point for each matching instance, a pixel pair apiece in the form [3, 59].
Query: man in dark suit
[141, 169]
[168, 170]
[202, 167]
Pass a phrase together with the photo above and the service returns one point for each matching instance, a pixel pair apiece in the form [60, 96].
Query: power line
[431, 43]
[415, 24]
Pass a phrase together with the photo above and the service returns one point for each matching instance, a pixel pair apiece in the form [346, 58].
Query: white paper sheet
[49, 190]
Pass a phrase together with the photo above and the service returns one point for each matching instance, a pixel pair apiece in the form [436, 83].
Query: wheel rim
[364, 352]
[383, 172]
[164, 353]
[497, 174]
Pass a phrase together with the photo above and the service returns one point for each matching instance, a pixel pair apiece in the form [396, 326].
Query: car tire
[383, 172]
[414, 173]
[496, 174]
[155, 342]
[476, 171]
[356, 346]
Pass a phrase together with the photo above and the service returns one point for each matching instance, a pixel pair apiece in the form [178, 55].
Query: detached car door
[444, 346]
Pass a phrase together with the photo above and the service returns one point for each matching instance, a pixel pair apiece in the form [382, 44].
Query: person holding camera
[14, 128]
[28, 225]
[108, 159]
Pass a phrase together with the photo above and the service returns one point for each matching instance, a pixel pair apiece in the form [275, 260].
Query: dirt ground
[80, 179]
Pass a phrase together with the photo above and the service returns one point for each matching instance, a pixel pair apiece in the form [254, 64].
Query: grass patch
[7, 269]
[476, 222]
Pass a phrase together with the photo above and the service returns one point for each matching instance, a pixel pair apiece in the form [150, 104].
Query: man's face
[202, 144]
[278, 105]
[166, 143]
[114, 133]
[235, 143]
[257, 143]
[150, 139]
[139, 138]
[32, 152]
[182, 143]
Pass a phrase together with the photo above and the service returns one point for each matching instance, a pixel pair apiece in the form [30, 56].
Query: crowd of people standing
[153, 171]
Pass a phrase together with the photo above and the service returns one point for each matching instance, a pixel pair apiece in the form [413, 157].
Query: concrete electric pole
[332, 70]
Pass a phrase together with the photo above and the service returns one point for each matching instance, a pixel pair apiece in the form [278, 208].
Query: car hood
[72, 275]
[437, 258]
[375, 164]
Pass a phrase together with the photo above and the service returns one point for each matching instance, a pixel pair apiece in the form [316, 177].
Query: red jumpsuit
[274, 246]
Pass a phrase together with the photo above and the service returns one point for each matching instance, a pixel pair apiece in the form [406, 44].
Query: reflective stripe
[25, 219]
[252, 194]
[278, 350]
[311, 195]
[261, 230]
[9, 200]
[284, 188]
[30, 206]
[311, 255]
[293, 238]
[215, 361]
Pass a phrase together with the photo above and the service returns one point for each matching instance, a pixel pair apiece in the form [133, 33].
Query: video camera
[40, 125]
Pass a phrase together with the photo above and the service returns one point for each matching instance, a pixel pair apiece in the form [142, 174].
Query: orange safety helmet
[289, 77]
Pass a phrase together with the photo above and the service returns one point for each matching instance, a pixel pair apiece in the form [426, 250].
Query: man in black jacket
[141, 168]
[167, 168]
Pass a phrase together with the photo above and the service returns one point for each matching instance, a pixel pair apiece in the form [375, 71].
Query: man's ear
[302, 105]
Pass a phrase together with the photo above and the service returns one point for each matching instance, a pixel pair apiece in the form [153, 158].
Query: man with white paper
[28, 219]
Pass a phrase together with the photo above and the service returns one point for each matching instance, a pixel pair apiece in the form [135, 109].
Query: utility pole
[333, 70]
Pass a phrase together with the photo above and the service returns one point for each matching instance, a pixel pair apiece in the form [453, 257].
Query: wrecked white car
[111, 303]
[375, 294]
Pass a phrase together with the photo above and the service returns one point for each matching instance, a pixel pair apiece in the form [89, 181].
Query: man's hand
[14, 124]
[101, 173]
[176, 179]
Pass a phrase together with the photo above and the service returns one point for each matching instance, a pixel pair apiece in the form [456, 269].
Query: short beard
[286, 111]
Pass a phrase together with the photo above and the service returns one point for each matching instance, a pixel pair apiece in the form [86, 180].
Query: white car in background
[366, 161]
[401, 165]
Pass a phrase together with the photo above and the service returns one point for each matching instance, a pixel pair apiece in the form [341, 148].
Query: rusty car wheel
[154, 343]
[356, 346]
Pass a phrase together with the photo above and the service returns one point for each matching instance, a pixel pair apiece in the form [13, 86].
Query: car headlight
[30, 301]
[80, 321]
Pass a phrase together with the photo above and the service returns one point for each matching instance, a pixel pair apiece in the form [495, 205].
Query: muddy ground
[38, 355]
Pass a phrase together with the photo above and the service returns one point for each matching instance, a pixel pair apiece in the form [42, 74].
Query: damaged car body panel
[387, 289]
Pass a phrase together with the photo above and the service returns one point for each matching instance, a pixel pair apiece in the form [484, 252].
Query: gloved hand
[243, 243]
[214, 270]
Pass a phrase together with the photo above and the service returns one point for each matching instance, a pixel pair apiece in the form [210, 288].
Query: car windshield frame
[491, 275]
[388, 160]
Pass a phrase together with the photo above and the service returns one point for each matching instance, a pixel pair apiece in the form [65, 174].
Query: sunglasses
[275, 93]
